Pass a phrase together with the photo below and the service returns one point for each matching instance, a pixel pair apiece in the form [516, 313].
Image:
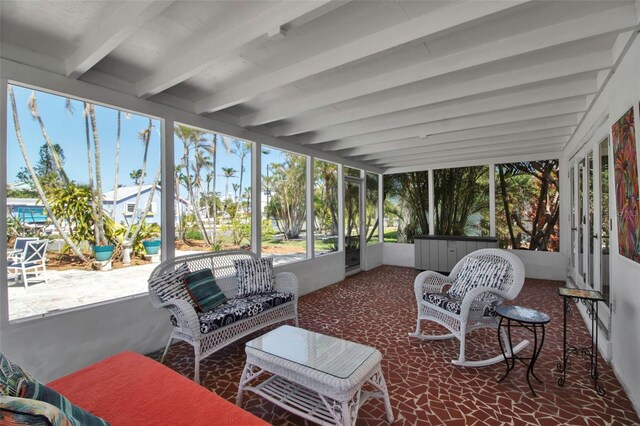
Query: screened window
[284, 211]
[528, 205]
[371, 209]
[212, 191]
[461, 197]
[406, 206]
[325, 199]
[89, 177]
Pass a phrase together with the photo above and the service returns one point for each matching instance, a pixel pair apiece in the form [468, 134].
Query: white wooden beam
[122, 20]
[471, 150]
[191, 60]
[471, 122]
[568, 120]
[563, 133]
[484, 154]
[451, 110]
[551, 71]
[444, 19]
[616, 20]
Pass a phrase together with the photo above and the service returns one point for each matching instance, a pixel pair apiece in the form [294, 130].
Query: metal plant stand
[590, 299]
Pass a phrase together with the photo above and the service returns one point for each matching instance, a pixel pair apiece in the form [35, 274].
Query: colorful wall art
[626, 179]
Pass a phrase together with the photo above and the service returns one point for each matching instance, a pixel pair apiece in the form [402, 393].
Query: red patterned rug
[378, 308]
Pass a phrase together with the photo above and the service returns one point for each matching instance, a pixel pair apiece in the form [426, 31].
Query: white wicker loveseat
[210, 331]
[474, 310]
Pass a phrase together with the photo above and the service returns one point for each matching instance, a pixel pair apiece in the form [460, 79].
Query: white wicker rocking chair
[472, 314]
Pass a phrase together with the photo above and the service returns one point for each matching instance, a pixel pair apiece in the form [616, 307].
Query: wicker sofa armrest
[186, 317]
[287, 282]
[430, 282]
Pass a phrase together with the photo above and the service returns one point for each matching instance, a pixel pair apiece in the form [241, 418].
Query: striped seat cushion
[255, 276]
[203, 290]
[170, 285]
[478, 273]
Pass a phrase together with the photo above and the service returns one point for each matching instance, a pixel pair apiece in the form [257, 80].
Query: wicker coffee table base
[324, 408]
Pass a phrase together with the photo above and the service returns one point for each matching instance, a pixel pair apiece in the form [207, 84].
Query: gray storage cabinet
[441, 252]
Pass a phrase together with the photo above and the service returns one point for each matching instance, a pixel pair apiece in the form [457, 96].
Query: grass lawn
[320, 245]
[391, 235]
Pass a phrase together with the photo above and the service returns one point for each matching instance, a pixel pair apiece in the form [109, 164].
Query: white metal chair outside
[472, 310]
[18, 248]
[32, 260]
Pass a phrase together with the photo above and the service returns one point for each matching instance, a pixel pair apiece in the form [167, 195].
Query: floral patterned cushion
[25, 411]
[240, 308]
[453, 304]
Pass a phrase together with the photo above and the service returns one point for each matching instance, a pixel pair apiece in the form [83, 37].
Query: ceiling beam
[472, 150]
[121, 21]
[453, 109]
[189, 61]
[568, 120]
[487, 153]
[561, 132]
[447, 18]
[578, 67]
[454, 124]
[615, 20]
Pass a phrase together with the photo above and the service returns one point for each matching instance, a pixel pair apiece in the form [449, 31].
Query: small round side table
[530, 319]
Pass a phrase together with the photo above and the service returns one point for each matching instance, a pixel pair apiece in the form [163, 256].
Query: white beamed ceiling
[393, 84]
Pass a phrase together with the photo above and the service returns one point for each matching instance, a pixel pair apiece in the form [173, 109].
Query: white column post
[168, 219]
[256, 197]
[380, 209]
[492, 200]
[4, 288]
[340, 207]
[432, 223]
[310, 209]
[362, 196]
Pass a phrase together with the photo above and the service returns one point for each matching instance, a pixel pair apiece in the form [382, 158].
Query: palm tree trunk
[503, 189]
[147, 207]
[90, 170]
[145, 140]
[117, 170]
[36, 182]
[214, 154]
[97, 154]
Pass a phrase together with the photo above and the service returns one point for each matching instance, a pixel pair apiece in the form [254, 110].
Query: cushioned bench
[210, 331]
[131, 389]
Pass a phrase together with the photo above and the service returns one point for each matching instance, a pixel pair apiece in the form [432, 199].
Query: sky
[68, 130]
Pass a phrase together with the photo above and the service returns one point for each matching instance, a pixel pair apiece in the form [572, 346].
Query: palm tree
[228, 172]
[192, 138]
[101, 239]
[136, 176]
[36, 182]
[241, 149]
[213, 150]
[57, 162]
[236, 187]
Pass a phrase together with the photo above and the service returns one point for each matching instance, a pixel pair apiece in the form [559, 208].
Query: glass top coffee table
[320, 378]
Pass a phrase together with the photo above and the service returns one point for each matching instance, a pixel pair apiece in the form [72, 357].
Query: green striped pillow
[76, 415]
[203, 290]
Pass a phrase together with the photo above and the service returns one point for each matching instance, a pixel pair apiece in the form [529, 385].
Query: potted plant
[152, 246]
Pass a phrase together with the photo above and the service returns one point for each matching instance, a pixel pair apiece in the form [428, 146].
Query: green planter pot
[151, 247]
[102, 253]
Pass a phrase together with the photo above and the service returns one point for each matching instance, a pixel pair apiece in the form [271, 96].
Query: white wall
[314, 274]
[621, 93]
[373, 256]
[537, 264]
